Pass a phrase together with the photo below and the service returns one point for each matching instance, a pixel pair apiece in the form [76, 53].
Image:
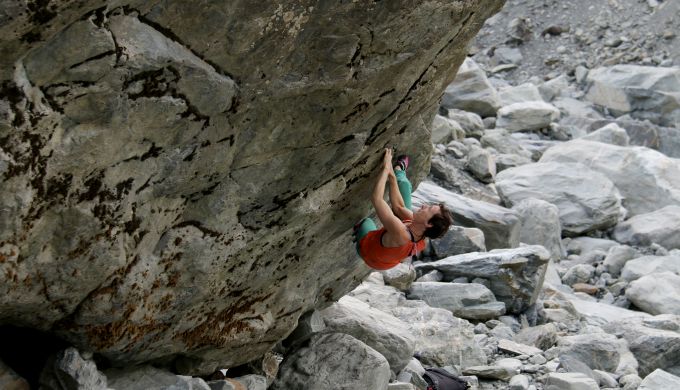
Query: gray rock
[482, 164]
[570, 381]
[432, 276]
[459, 240]
[660, 380]
[308, 324]
[586, 199]
[68, 370]
[644, 92]
[609, 134]
[571, 363]
[471, 91]
[519, 382]
[540, 225]
[527, 116]
[453, 175]
[517, 348]
[500, 225]
[652, 347]
[490, 372]
[441, 338]
[541, 336]
[630, 382]
[383, 332]
[641, 266]
[585, 245]
[502, 142]
[598, 351]
[657, 293]
[400, 277]
[580, 273]
[463, 300]
[444, 130]
[505, 161]
[604, 379]
[646, 179]
[162, 169]
[507, 55]
[661, 227]
[252, 382]
[329, 359]
[516, 275]
[553, 88]
[570, 107]
[470, 122]
[526, 92]
[617, 257]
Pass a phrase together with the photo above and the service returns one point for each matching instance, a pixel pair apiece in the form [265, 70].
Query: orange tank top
[379, 257]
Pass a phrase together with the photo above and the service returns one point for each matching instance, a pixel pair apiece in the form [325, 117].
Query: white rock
[657, 293]
[571, 381]
[527, 116]
[660, 380]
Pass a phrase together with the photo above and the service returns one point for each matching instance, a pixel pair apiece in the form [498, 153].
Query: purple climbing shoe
[403, 161]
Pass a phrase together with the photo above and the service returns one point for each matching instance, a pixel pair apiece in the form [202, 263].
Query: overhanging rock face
[179, 178]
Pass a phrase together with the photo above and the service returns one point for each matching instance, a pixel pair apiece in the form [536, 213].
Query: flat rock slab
[660, 380]
[571, 381]
[517, 348]
[515, 275]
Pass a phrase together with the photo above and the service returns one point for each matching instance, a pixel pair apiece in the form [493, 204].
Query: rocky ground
[562, 170]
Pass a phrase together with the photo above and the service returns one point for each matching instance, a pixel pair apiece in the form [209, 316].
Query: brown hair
[440, 223]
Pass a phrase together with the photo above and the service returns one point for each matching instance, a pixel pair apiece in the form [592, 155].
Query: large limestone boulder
[179, 181]
[647, 179]
[500, 225]
[471, 91]
[599, 351]
[661, 227]
[655, 341]
[334, 360]
[441, 338]
[644, 92]
[636, 268]
[515, 275]
[381, 331]
[656, 293]
[586, 199]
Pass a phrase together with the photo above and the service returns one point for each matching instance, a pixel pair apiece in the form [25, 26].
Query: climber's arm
[392, 224]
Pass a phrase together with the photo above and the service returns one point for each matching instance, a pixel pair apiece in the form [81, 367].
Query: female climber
[404, 231]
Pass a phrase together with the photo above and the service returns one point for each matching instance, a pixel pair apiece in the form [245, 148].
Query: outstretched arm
[392, 224]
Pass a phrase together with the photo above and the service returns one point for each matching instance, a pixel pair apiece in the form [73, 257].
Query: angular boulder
[661, 227]
[527, 116]
[441, 338]
[644, 92]
[515, 275]
[647, 179]
[381, 331]
[334, 360]
[660, 380]
[586, 199]
[636, 268]
[471, 91]
[163, 192]
[609, 134]
[540, 225]
[657, 293]
[654, 341]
